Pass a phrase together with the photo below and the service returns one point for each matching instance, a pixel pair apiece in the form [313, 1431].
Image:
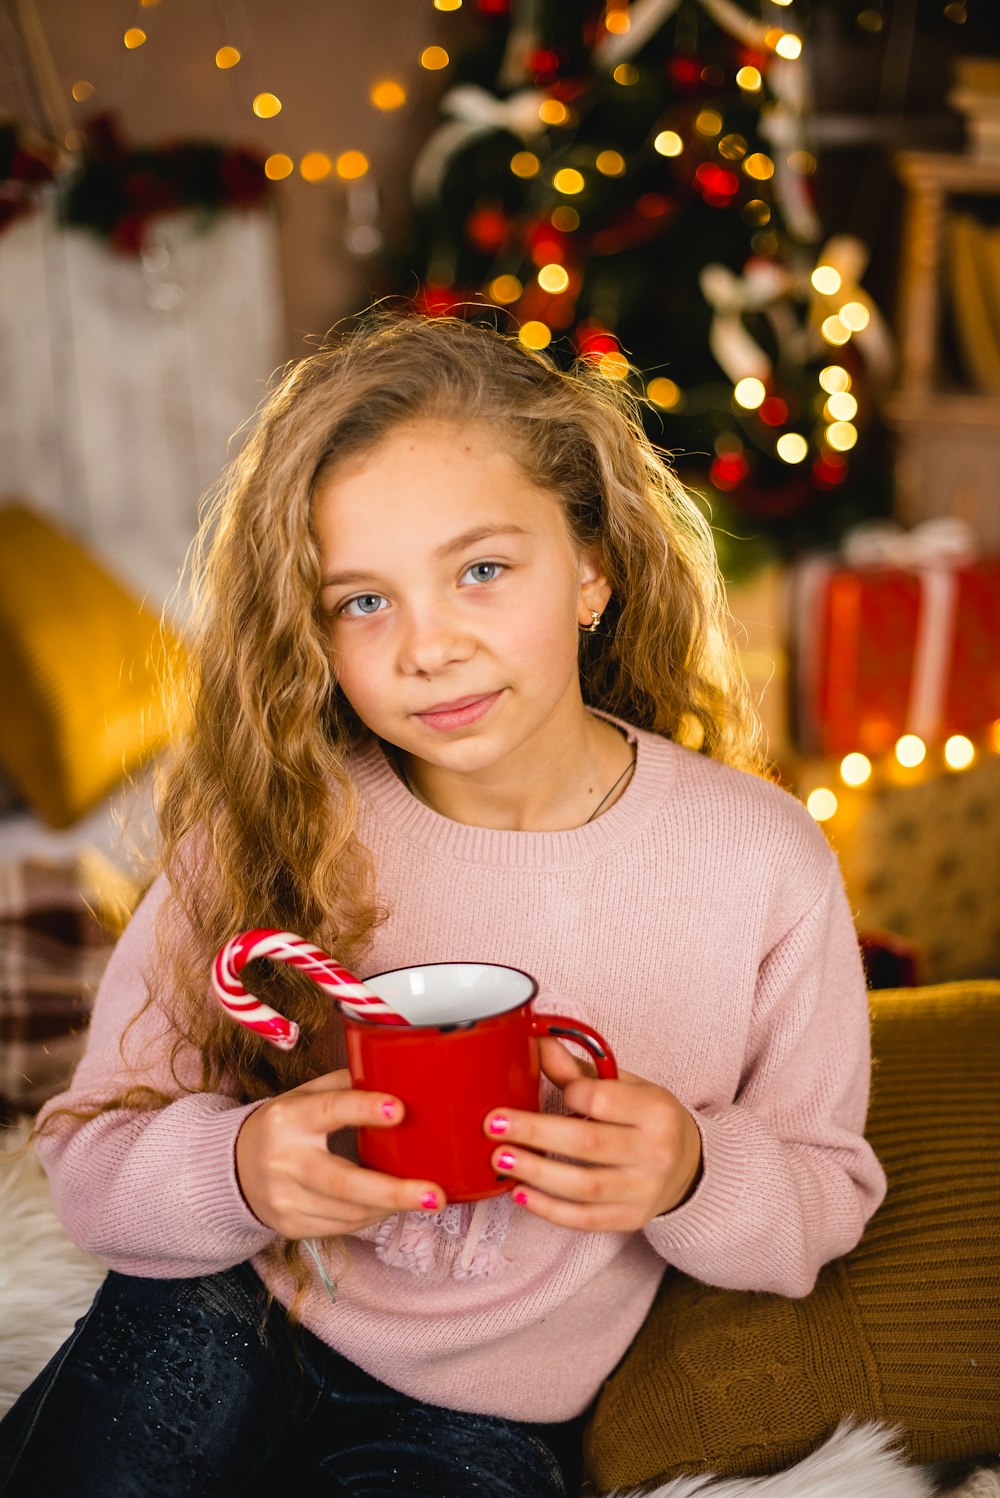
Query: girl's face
[454, 594]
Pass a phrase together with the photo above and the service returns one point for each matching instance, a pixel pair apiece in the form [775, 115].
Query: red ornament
[685, 72]
[593, 339]
[773, 411]
[830, 471]
[488, 229]
[728, 470]
[717, 184]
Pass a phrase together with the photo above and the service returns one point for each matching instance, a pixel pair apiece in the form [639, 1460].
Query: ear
[595, 590]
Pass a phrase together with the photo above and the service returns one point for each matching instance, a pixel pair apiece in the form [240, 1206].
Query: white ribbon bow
[944, 541]
[474, 112]
[731, 297]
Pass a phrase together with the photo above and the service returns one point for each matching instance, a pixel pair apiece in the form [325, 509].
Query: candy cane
[324, 970]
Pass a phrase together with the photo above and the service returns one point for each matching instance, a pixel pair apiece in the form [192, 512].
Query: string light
[525, 164]
[351, 165]
[855, 315]
[625, 74]
[447, 4]
[434, 59]
[610, 163]
[388, 94]
[618, 22]
[789, 46]
[821, 803]
[841, 436]
[266, 106]
[553, 112]
[841, 407]
[855, 769]
[756, 212]
[227, 57]
[315, 166]
[278, 166]
[749, 79]
[732, 147]
[749, 393]
[663, 392]
[81, 90]
[910, 751]
[134, 37]
[535, 335]
[668, 143]
[835, 330]
[826, 280]
[565, 219]
[759, 166]
[505, 289]
[792, 447]
[708, 122]
[959, 752]
[613, 365]
[834, 378]
[568, 180]
[554, 278]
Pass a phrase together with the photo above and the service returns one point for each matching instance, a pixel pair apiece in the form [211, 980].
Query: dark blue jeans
[196, 1387]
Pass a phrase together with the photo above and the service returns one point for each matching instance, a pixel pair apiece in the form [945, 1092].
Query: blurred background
[778, 222]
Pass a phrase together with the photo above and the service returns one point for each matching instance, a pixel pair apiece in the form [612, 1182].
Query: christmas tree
[633, 185]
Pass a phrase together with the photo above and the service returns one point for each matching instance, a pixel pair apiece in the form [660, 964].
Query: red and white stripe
[324, 970]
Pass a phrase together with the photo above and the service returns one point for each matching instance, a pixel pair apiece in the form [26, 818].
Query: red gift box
[881, 651]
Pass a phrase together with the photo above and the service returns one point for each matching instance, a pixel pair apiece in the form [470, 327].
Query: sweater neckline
[411, 820]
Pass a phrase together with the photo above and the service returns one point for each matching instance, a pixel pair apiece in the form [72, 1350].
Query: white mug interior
[452, 993]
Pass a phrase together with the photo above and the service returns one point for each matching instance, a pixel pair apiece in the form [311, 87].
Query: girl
[461, 689]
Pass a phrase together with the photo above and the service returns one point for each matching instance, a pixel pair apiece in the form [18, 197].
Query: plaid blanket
[58, 924]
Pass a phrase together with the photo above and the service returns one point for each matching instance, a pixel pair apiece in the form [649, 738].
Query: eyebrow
[448, 549]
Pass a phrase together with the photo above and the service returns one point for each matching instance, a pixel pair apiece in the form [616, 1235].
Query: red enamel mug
[467, 1050]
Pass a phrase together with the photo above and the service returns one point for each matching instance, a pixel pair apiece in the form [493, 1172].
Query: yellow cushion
[904, 1330]
[77, 657]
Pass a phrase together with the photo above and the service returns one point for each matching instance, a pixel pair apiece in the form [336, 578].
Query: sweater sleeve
[151, 1192]
[788, 1180]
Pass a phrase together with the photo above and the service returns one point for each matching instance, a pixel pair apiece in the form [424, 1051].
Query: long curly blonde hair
[257, 808]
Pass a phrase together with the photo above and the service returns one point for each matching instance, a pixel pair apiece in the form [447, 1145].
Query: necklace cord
[397, 761]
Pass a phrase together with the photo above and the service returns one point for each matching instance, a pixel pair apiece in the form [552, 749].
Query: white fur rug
[46, 1284]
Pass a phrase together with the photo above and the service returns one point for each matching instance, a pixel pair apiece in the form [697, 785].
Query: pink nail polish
[388, 1109]
[499, 1125]
[506, 1161]
[521, 1197]
[429, 1201]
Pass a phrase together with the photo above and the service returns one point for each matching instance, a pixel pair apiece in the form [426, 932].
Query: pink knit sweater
[701, 925]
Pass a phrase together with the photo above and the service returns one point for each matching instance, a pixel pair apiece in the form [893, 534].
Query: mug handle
[581, 1034]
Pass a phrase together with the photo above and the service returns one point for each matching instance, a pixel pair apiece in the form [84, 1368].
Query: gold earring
[595, 619]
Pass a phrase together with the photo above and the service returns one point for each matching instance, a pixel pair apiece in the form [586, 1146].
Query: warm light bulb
[613, 365]
[821, 803]
[668, 143]
[834, 378]
[610, 163]
[855, 315]
[749, 79]
[266, 106]
[792, 447]
[959, 752]
[227, 57]
[789, 46]
[910, 750]
[834, 330]
[841, 407]
[554, 278]
[568, 180]
[826, 280]
[841, 436]
[351, 165]
[315, 166]
[134, 37]
[535, 335]
[552, 112]
[525, 164]
[664, 392]
[434, 59]
[749, 393]
[388, 94]
[505, 289]
[855, 769]
[278, 166]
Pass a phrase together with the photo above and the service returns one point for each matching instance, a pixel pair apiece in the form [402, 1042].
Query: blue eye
[365, 604]
[483, 572]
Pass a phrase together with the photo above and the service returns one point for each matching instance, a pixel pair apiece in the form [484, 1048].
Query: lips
[458, 714]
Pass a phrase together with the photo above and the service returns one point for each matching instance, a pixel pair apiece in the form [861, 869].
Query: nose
[434, 639]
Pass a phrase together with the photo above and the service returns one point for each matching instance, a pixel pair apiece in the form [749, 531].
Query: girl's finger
[340, 1181]
[591, 1217]
[567, 1181]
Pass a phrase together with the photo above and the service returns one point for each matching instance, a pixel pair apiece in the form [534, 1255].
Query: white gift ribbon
[474, 112]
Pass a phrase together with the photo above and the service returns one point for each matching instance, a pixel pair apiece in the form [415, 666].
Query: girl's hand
[294, 1184]
[638, 1148]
